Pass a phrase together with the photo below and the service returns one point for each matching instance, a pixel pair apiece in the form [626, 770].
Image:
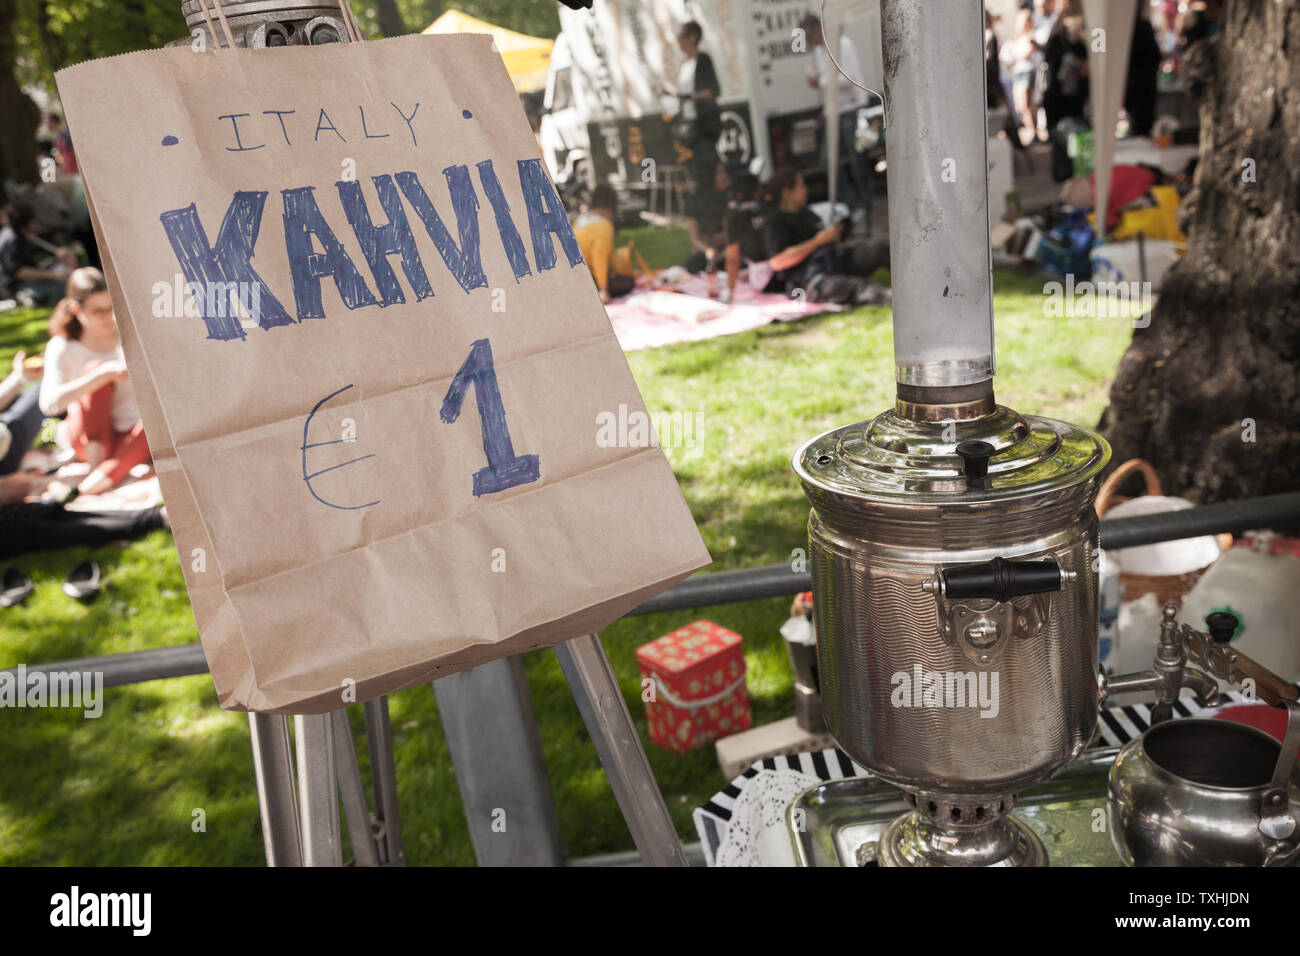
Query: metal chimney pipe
[940, 257]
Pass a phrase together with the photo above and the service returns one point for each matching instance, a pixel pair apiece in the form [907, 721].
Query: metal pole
[939, 250]
[749, 584]
[591, 679]
[360, 832]
[273, 768]
[1234, 516]
[317, 790]
[383, 776]
[487, 716]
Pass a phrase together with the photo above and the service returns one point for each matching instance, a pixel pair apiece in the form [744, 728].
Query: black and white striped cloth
[1116, 727]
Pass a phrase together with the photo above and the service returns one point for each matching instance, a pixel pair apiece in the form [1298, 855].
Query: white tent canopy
[1108, 52]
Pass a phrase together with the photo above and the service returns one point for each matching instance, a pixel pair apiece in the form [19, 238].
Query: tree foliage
[53, 34]
[539, 18]
[40, 37]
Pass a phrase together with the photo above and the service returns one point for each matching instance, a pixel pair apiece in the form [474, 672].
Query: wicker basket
[1166, 587]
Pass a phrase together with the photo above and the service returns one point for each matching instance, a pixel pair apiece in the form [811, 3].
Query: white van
[605, 117]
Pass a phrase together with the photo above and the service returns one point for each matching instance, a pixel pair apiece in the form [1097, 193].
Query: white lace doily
[757, 834]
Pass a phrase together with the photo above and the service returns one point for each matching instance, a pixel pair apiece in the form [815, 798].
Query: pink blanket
[638, 327]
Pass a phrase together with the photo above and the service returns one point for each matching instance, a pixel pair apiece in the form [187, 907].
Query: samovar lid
[995, 457]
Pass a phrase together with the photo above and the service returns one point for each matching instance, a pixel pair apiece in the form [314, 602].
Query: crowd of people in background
[45, 230]
[1036, 68]
[734, 222]
[742, 227]
[81, 379]
[1039, 68]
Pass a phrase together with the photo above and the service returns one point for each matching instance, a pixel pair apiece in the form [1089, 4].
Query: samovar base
[917, 839]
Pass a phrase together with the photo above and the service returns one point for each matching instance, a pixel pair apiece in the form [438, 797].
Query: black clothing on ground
[37, 526]
[619, 285]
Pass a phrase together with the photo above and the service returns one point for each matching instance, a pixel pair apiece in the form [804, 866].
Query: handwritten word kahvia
[315, 252]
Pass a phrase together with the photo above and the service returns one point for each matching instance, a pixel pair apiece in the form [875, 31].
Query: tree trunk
[18, 114]
[1209, 393]
[390, 19]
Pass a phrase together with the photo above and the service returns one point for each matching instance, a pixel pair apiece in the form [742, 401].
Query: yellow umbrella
[527, 58]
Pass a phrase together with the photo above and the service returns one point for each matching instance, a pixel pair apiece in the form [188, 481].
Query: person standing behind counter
[697, 91]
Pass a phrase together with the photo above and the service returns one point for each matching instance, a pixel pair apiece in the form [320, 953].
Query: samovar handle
[998, 580]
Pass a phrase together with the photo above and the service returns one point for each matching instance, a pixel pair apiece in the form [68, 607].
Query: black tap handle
[1222, 625]
[1001, 580]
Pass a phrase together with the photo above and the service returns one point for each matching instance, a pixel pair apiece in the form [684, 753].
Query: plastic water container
[1263, 590]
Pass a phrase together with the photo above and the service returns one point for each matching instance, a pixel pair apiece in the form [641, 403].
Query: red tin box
[693, 685]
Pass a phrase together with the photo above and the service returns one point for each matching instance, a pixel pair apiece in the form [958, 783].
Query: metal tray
[838, 823]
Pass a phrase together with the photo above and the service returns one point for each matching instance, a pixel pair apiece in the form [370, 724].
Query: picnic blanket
[138, 492]
[646, 319]
[134, 494]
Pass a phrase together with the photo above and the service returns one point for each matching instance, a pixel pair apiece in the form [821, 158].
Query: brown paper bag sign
[371, 364]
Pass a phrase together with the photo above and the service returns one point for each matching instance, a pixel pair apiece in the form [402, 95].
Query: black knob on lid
[975, 457]
[1222, 626]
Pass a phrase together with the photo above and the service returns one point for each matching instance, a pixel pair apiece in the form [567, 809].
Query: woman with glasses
[86, 376]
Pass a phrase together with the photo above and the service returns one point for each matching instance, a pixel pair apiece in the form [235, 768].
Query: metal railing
[480, 749]
[705, 589]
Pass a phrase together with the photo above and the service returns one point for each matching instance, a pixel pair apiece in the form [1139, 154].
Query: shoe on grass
[83, 582]
[15, 588]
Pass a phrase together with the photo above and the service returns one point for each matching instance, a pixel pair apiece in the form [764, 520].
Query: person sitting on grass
[746, 246]
[612, 268]
[24, 273]
[706, 228]
[20, 414]
[86, 376]
[809, 256]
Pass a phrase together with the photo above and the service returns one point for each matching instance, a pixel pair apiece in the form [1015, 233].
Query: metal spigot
[1181, 645]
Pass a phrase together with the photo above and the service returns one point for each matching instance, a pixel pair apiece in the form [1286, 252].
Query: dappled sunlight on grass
[122, 789]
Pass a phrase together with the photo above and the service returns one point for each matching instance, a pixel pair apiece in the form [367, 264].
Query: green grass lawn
[122, 789]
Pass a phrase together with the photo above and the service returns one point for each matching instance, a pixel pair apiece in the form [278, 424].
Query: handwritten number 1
[504, 469]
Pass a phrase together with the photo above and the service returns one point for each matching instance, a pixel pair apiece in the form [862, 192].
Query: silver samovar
[952, 540]
[954, 550]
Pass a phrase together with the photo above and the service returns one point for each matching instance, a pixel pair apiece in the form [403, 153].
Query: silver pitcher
[1207, 793]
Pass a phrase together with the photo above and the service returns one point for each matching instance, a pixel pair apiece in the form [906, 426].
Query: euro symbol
[321, 444]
